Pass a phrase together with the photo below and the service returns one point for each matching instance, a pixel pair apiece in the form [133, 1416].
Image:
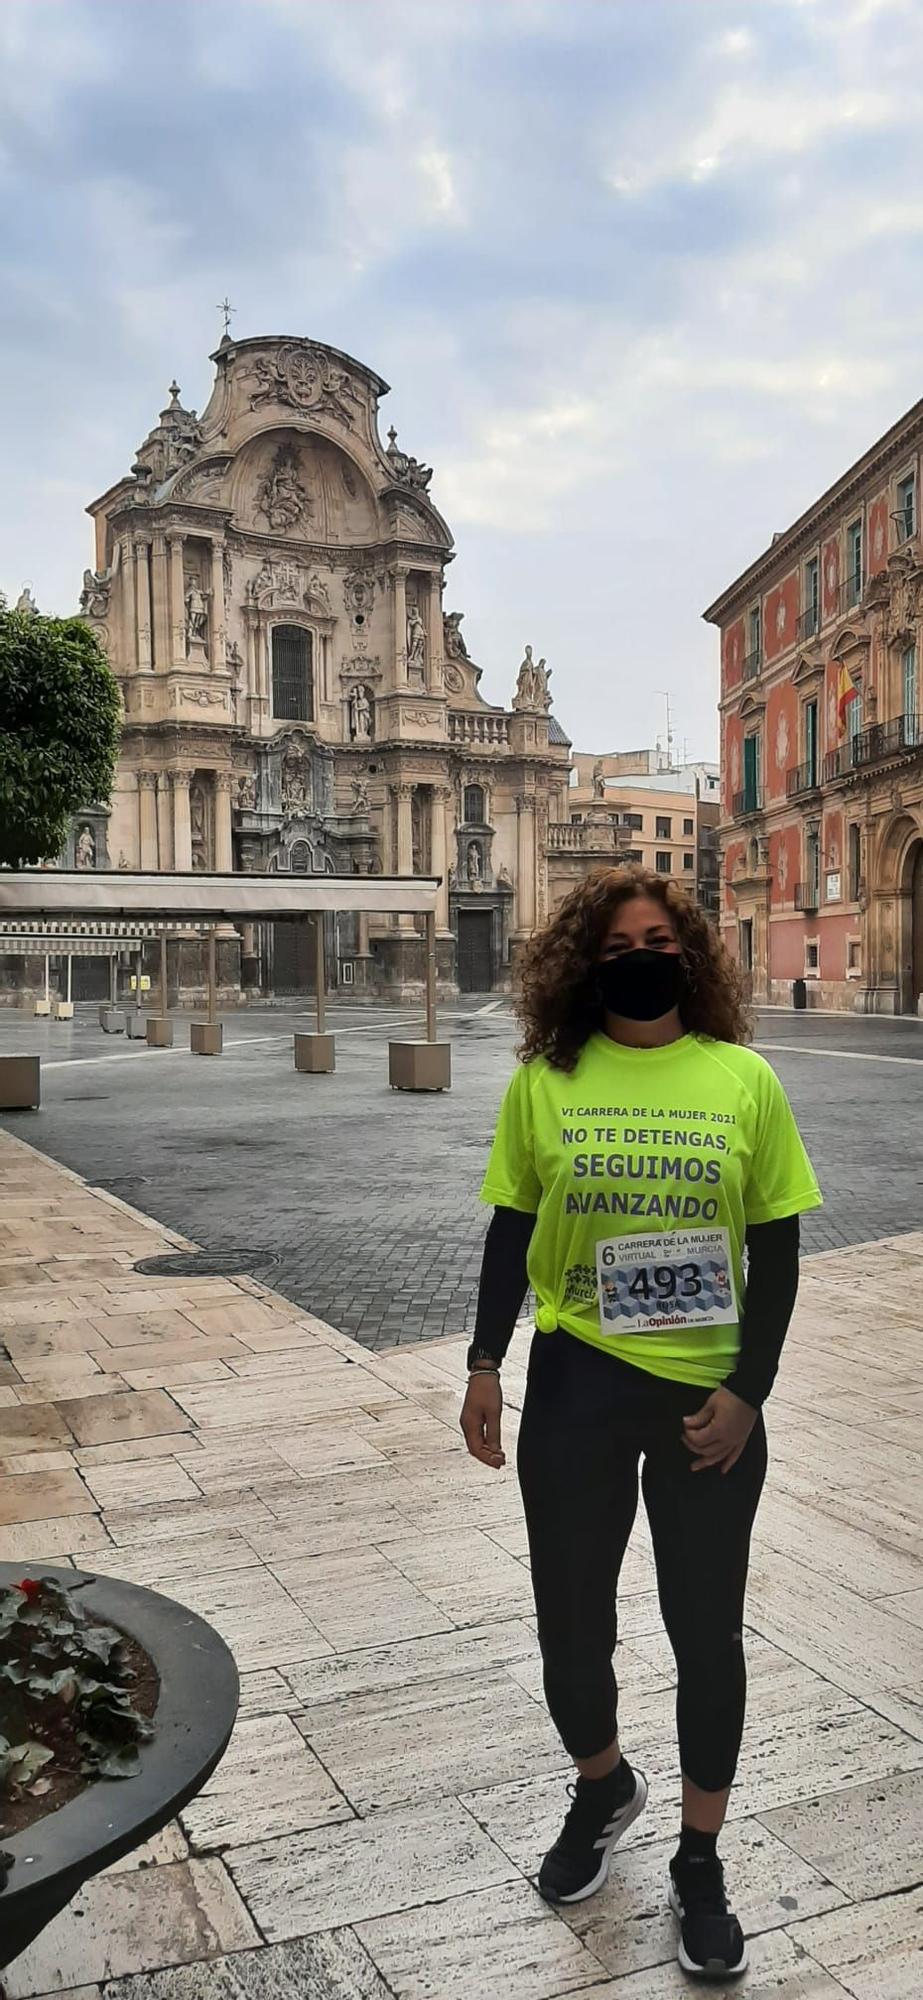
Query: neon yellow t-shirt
[644, 1168]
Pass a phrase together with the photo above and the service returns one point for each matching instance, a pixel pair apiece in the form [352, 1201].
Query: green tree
[59, 732]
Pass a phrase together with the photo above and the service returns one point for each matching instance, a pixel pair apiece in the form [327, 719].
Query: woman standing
[640, 1149]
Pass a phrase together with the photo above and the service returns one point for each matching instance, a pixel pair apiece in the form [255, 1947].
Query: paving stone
[109, 1418]
[506, 1937]
[866, 1838]
[268, 1783]
[874, 1949]
[359, 1599]
[779, 1970]
[368, 1868]
[334, 1966]
[41, 1496]
[445, 1655]
[134, 1923]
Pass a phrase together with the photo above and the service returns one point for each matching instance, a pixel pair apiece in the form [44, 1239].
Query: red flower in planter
[29, 1586]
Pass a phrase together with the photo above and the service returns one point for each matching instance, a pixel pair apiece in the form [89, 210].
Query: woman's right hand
[480, 1418]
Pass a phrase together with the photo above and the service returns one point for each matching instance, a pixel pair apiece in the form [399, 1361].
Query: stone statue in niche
[599, 780]
[198, 827]
[262, 584]
[504, 877]
[282, 497]
[360, 715]
[233, 656]
[85, 850]
[295, 793]
[227, 573]
[319, 594]
[474, 863]
[360, 799]
[196, 614]
[416, 641]
[246, 793]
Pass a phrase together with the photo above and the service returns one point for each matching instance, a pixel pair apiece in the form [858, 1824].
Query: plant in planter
[75, 1700]
[115, 1706]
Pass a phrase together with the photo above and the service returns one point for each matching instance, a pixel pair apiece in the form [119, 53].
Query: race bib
[646, 1283]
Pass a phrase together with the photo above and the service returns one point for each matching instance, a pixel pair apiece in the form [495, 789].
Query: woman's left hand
[717, 1433]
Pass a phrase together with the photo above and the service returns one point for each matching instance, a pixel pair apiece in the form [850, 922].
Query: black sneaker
[711, 1942]
[578, 1863]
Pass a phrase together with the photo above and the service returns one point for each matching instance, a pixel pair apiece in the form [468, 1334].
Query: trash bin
[799, 993]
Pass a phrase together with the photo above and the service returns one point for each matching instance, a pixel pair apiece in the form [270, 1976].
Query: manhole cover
[205, 1263]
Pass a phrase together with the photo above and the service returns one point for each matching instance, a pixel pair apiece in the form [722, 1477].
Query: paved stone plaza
[363, 1203]
[394, 1778]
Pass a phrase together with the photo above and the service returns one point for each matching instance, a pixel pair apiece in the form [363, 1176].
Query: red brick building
[822, 744]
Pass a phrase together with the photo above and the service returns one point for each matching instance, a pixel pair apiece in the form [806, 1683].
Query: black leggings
[586, 1421]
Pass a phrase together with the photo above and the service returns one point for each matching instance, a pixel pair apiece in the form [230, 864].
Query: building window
[811, 956]
[810, 617]
[905, 519]
[909, 674]
[855, 862]
[810, 742]
[754, 641]
[475, 814]
[663, 862]
[664, 827]
[634, 821]
[688, 828]
[292, 674]
[300, 858]
[751, 797]
[631, 857]
[854, 955]
[688, 860]
[853, 725]
[812, 867]
[854, 562]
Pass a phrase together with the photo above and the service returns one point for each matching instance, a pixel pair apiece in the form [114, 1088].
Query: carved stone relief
[304, 378]
[94, 597]
[283, 498]
[199, 828]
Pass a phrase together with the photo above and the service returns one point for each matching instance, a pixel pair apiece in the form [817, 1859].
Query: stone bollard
[159, 1032]
[20, 1083]
[62, 1010]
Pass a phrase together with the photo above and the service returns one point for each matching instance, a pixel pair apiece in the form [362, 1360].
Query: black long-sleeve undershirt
[772, 1287]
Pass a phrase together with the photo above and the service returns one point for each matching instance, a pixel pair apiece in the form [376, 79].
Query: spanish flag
[846, 692]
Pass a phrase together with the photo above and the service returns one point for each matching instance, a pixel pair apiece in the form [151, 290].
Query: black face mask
[642, 985]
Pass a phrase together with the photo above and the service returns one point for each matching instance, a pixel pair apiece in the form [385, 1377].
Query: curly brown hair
[557, 1000]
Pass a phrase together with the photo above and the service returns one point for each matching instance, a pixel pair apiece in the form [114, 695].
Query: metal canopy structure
[117, 893]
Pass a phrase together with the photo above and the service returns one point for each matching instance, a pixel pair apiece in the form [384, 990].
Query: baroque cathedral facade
[268, 586]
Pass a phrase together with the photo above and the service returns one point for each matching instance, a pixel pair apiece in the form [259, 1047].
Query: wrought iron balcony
[803, 779]
[747, 802]
[850, 593]
[875, 745]
[807, 896]
[752, 663]
[809, 622]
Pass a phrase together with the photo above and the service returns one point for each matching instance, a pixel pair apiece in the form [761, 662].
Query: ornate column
[160, 593]
[129, 606]
[404, 796]
[434, 647]
[165, 821]
[216, 608]
[441, 796]
[525, 861]
[147, 819]
[399, 589]
[182, 829]
[177, 601]
[224, 847]
[143, 601]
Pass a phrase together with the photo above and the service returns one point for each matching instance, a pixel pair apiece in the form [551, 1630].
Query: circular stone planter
[199, 1693]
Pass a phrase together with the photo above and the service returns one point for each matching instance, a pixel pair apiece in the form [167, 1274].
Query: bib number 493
[647, 1283]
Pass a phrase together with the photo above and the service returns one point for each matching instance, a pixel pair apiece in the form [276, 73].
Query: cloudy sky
[644, 278]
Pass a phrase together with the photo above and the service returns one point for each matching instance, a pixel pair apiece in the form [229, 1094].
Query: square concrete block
[42, 1009]
[159, 1032]
[206, 1038]
[420, 1065]
[315, 1054]
[135, 1025]
[111, 1019]
[62, 1010]
[20, 1083]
